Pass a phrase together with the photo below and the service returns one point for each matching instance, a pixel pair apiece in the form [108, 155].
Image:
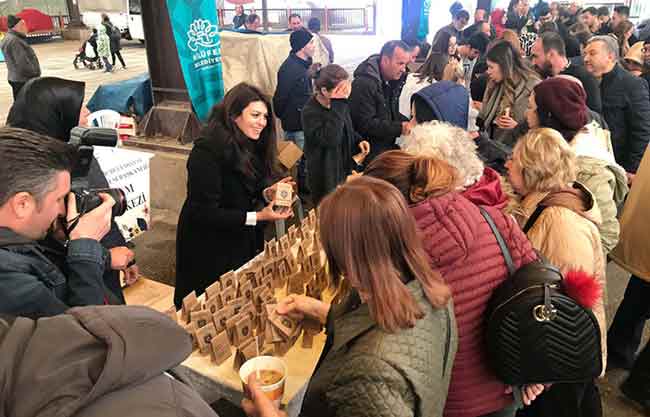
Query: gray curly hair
[449, 143]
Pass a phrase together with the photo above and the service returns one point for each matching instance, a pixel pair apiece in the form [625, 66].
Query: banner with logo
[196, 31]
[129, 171]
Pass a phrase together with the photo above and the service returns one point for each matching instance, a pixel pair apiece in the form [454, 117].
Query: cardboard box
[288, 153]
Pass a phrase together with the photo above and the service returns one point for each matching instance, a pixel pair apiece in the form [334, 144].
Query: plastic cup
[274, 392]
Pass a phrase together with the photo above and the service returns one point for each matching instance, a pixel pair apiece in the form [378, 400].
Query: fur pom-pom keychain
[582, 287]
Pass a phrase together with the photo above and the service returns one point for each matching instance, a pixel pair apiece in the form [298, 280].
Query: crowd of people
[533, 122]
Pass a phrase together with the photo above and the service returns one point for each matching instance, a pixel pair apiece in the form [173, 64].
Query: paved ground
[156, 248]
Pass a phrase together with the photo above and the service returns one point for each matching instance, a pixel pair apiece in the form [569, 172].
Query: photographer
[60, 109]
[34, 188]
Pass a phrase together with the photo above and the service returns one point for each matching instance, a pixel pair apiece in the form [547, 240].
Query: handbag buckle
[543, 313]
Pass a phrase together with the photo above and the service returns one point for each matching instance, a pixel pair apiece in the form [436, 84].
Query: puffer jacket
[633, 251]
[566, 233]
[293, 91]
[20, 58]
[96, 361]
[368, 372]
[461, 246]
[374, 107]
[599, 172]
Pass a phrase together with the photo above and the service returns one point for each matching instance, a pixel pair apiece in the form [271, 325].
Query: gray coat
[22, 63]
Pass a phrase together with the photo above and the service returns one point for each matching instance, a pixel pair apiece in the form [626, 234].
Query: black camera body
[84, 139]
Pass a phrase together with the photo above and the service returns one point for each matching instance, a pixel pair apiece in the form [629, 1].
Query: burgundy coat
[462, 247]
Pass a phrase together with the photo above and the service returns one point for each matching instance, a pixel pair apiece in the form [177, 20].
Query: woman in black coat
[220, 226]
[53, 106]
[330, 139]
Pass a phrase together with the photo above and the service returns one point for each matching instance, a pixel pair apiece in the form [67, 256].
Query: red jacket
[462, 247]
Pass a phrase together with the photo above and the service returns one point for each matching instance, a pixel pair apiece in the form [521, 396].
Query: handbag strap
[533, 218]
[502, 243]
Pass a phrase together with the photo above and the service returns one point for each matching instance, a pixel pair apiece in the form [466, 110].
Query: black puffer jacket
[626, 108]
[374, 107]
[293, 91]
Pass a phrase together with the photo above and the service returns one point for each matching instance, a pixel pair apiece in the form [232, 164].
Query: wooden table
[216, 382]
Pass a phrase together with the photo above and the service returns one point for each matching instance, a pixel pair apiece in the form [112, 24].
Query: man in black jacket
[549, 57]
[293, 90]
[22, 63]
[374, 101]
[626, 105]
[34, 186]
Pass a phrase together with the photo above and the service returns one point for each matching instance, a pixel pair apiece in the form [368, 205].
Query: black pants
[639, 378]
[566, 400]
[624, 334]
[119, 55]
[16, 86]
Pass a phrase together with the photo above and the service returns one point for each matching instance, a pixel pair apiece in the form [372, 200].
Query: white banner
[129, 171]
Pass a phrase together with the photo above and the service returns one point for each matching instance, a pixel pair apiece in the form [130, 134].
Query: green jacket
[103, 42]
[369, 372]
[606, 180]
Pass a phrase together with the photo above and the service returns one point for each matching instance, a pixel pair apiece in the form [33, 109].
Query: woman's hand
[342, 91]
[269, 192]
[259, 404]
[268, 214]
[121, 257]
[506, 122]
[299, 306]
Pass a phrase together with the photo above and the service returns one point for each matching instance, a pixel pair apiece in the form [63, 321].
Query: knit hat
[299, 39]
[562, 105]
[12, 20]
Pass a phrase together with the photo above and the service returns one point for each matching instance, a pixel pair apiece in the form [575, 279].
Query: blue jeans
[298, 137]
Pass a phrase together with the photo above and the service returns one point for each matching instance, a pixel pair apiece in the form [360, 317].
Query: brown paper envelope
[200, 318]
[204, 337]
[221, 349]
[213, 290]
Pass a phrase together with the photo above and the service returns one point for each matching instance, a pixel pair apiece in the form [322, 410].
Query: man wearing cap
[294, 89]
[22, 63]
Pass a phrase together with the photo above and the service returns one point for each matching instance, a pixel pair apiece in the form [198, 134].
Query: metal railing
[359, 20]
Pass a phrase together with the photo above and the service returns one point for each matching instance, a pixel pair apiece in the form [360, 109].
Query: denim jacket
[33, 286]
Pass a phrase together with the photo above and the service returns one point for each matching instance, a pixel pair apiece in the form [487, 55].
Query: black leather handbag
[536, 333]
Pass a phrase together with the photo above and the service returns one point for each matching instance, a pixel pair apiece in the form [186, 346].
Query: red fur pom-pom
[582, 287]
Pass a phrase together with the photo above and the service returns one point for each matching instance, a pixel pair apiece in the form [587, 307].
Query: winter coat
[463, 248]
[367, 372]
[632, 252]
[488, 191]
[566, 233]
[626, 107]
[517, 22]
[448, 101]
[96, 361]
[103, 42]
[493, 108]
[238, 21]
[589, 83]
[31, 285]
[603, 177]
[22, 62]
[330, 144]
[374, 107]
[114, 35]
[327, 44]
[293, 90]
[212, 236]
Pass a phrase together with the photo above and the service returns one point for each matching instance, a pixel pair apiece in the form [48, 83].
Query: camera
[88, 199]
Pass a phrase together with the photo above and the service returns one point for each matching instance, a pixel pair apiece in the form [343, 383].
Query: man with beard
[549, 57]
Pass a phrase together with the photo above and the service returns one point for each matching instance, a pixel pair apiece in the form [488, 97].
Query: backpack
[535, 332]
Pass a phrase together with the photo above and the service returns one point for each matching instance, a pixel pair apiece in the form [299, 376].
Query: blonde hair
[448, 143]
[547, 161]
[454, 72]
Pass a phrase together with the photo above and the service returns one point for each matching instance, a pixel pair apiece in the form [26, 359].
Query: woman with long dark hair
[53, 106]
[220, 225]
[506, 96]
[391, 342]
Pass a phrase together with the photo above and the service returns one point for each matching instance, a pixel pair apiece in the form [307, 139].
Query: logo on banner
[202, 33]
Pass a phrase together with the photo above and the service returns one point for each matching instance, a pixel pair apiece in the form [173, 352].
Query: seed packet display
[204, 337]
[221, 317]
[295, 284]
[300, 256]
[238, 303]
[191, 330]
[229, 279]
[283, 195]
[200, 318]
[220, 348]
[213, 290]
[230, 327]
[190, 303]
[267, 282]
[285, 244]
[214, 304]
[267, 296]
[315, 260]
[228, 294]
[243, 331]
[268, 269]
[171, 313]
[246, 291]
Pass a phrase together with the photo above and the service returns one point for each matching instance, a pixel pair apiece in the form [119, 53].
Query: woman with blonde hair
[560, 217]
[364, 369]
[460, 245]
[506, 96]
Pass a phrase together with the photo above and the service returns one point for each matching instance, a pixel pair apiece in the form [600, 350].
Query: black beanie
[299, 39]
[12, 20]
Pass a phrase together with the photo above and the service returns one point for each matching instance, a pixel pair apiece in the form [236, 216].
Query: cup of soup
[271, 378]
